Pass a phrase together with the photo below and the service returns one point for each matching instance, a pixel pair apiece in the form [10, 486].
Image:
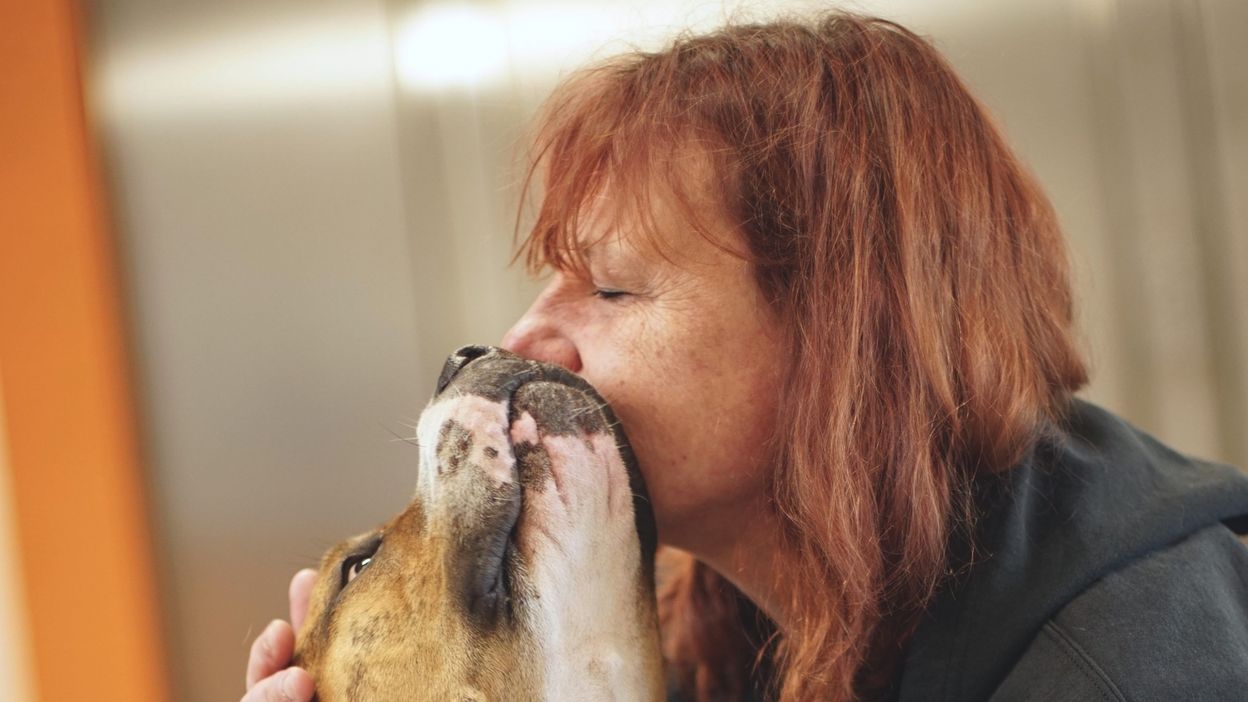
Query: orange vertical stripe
[82, 526]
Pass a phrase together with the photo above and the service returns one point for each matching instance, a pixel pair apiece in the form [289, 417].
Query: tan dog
[523, 568]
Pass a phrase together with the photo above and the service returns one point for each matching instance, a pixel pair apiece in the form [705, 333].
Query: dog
[523, 568]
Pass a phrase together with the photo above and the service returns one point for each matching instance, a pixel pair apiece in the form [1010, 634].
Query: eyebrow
[608, 255]
[594, 249]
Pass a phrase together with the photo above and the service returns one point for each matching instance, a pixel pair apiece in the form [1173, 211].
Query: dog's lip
[643, 511]
[524, 371]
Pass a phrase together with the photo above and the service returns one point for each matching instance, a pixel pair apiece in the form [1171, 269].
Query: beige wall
[15, 671]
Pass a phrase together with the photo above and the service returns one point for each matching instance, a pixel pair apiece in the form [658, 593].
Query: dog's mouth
[538, 407]
[500, 375]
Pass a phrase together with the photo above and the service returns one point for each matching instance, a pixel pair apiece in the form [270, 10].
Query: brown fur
[394, 636]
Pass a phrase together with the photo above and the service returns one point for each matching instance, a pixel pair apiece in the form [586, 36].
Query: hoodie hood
[1084, 502]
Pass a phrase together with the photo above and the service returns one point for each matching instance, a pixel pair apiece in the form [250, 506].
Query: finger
[291, 685]
[270, 652]
[300, 594]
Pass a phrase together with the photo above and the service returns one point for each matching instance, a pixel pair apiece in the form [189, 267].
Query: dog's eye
[352, 566]
[357, 566]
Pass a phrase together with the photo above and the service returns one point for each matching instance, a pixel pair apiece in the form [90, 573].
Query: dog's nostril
[457, 360]
[468, 353]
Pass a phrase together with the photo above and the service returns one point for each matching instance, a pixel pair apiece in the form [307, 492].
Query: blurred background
[238, 238]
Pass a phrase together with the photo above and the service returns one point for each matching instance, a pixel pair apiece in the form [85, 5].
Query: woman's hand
[268, 677]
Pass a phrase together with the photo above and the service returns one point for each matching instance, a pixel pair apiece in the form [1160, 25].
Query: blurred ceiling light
[554, 36]
[445, 46]
[463, 45]
[352, 53]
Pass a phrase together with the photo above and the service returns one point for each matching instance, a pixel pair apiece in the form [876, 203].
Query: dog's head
[521, 570]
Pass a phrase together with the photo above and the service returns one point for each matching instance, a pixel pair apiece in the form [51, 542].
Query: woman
[833, 313]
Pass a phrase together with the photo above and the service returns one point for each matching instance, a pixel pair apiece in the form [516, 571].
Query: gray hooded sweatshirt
[1109, 569]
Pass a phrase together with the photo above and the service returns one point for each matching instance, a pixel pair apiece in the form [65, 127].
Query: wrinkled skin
[521, 570]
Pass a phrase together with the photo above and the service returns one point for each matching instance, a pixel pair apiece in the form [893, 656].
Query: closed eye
[608, 294]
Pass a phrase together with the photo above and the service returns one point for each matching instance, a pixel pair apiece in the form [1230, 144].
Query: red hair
[919, 273]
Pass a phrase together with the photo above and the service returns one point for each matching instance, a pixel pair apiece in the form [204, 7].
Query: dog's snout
[462, 357]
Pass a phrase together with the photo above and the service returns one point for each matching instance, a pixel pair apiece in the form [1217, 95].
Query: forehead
[669, 230]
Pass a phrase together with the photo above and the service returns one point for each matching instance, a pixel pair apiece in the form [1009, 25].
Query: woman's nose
[535, 336]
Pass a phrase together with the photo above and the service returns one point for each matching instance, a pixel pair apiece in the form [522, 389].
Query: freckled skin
[689, 359]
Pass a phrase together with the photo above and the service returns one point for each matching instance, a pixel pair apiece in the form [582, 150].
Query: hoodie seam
[1084, 662]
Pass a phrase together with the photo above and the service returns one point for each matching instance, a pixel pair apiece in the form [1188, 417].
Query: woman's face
[688, 355]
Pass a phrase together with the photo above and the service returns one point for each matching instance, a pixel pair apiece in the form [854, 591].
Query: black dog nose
[462, 357]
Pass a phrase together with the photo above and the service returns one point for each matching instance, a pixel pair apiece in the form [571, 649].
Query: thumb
[300, 594]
